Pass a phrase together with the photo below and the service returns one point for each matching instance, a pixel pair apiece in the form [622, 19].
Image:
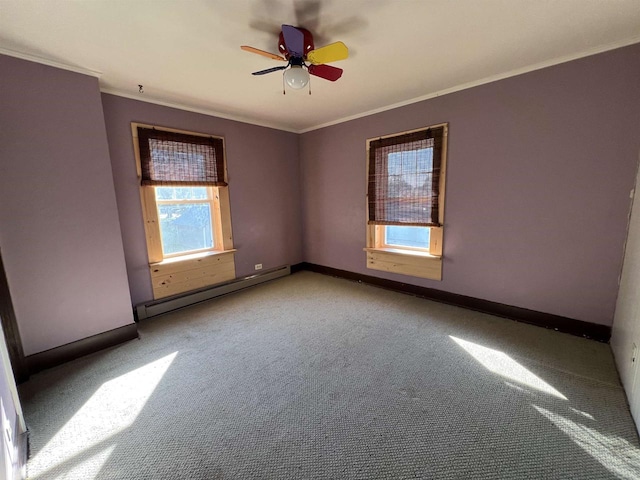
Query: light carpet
[313, 377]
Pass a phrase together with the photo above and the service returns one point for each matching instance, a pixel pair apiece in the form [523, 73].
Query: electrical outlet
[258, 266]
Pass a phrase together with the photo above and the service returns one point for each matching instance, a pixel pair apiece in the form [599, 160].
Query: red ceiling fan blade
[326, 71]
[293, 40]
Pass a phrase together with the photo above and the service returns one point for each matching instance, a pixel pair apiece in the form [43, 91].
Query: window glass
[185, 223]
[181, 193]
[415, 237]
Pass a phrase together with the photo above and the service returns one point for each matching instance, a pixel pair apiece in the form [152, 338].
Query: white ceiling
[187, 53]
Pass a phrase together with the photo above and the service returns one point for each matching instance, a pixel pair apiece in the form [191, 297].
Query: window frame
[214, 210]
[413, 261]
[185, 271]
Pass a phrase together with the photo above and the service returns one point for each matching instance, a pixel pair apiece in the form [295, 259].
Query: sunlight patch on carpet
[111, 409]
[87, 468]
[505, 366]
[614, 453]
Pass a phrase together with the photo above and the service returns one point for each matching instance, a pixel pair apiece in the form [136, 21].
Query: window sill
[192, 256]
[190, 272]
[402, 251]
[405, 262]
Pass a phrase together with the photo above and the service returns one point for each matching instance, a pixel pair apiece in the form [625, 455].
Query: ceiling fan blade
[308, 41]
[294, 40]
[269, 70]
[326, 71]
[247, 48]
[330, 53]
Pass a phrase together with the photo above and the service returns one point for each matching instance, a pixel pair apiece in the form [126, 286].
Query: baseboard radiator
[158, 307]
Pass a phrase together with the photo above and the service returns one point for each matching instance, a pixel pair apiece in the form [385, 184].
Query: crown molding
[49, 62]
[242, 119]
[483, 81]
[188, 108]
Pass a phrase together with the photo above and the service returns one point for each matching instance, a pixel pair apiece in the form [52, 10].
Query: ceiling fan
[297, 49]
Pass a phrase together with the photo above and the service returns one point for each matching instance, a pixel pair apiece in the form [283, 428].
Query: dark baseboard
[298, 267]
[594, 331]
[65, 353]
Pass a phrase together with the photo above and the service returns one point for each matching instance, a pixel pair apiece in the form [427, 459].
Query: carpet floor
[313, 377]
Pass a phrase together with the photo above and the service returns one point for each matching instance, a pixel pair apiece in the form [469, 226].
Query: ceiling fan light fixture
[296, 77]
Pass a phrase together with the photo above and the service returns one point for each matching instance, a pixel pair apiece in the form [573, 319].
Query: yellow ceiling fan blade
[330, 53]
[247, 48]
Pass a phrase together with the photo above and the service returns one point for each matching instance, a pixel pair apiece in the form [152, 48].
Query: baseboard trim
[65, 353]
[297, 267]
[601, 333]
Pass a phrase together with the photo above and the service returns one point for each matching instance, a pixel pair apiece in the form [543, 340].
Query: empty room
[317, 239]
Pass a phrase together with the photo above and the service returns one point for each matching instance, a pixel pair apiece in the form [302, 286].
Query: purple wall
[540, 167]
[263, 185]
[59, 229]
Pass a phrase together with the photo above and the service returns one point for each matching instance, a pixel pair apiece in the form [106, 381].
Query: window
[405, 199]
[407, 237]
[185, 203]
[186, 219]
